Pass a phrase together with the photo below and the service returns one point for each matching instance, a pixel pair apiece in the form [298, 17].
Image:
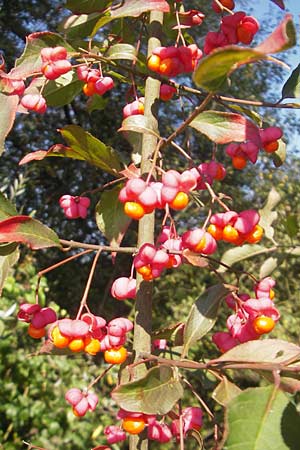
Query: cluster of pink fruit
[252, 318]
[82, 402]
[135, 423]
[54, 64]
[236, 228]
[37, 317]
[141, 197]
[234, 29]
[248, 151]
[172, 61]
[134, 108]
[95, 83]
[90, 333]
[74, 207]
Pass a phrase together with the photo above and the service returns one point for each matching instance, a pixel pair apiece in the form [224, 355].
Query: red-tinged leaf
[110, 216]
[213, 70]
[279, 3]
[131, 8]
[131, 172]
[30, 61]
[223, 127]
[8, 109]
[194, 259]
[28, 231]
[54, 150]
[282, 38]
[134, 8]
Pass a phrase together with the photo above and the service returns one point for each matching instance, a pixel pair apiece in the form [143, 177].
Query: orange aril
[133, 425]
[180, 201]
[36, 333]
[115, 355]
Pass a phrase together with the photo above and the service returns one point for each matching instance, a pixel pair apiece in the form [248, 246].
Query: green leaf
[81, 25]
[253, 115]
[30, 61]
[279, 156]
[213, 70]
[262, 351]
[224, 127]
[268, 266]
[6, 262]
[171, 333]
[139, 124]
[28, 231]
[86, 147]
[122, 51]
[110, 216]
[87, 6]
[291, 225]
[156, 393]
[202, 315]
[62, 91]
[6, 208]
[262, 419]
[131, 8]
[267, 215]
[291, 88]
[96, 103]
[238, 254]
[8, 109]
[225, 392]
[7, 249]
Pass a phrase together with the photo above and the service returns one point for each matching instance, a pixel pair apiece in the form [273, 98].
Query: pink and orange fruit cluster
[82, 402]
[157, 430]
[90, 333]
[37, 317]
[253, 317]
[172, 61]
[95, 83]
[74, 207]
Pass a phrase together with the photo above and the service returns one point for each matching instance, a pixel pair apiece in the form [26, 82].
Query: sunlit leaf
[62, 91]
[8, 109]
[268, 266]
[122, 51]
[28, 231]
[262, 418]
[279, 156]
[225, 392]
[224, 127]
[6, 262]
[156, 393]
[237, 254]
[87, 6]
[282, 38]
[267, 215]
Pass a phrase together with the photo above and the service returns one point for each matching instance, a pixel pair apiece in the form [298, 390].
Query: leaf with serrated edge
[156, 393]
[202, 315]
[291, 88]
[110, 216]
[238, 254]
[262, 418]
[265, 350]
[224, 127]
[28, 231]
[225, 392]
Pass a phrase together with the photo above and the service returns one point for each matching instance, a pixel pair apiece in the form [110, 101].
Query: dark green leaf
[81, 25]
[279, 156]
[202, 316]
[156, 393]
[291, 88]
[6, 262]
[291, 225]
[87, 6]
[6, 208]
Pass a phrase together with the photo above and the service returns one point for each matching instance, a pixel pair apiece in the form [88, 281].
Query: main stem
[143, 305]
